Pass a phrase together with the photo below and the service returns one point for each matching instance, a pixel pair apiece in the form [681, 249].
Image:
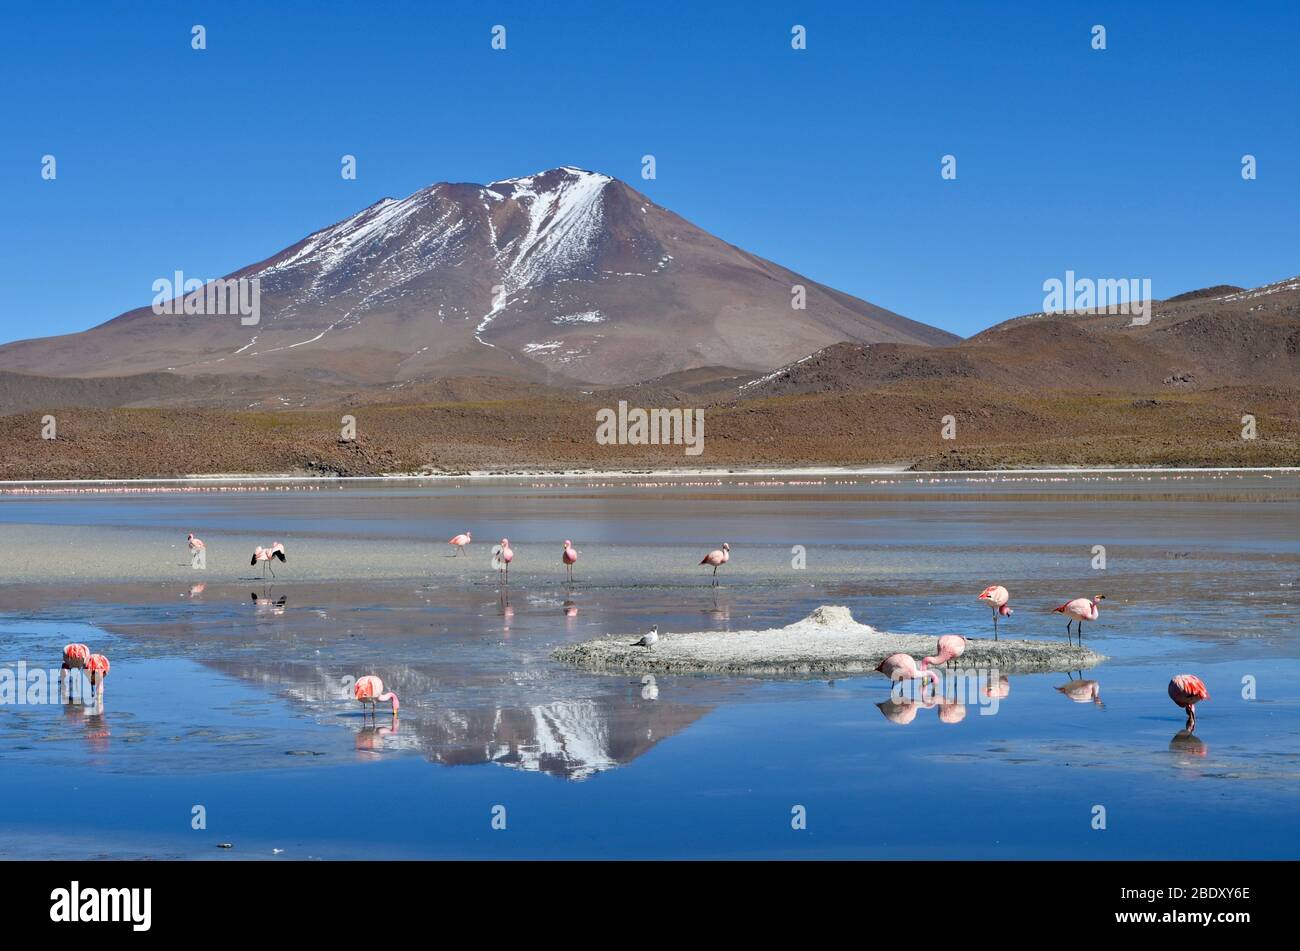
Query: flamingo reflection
[999, 688]
[370, 738]
[1185, 741]
[1082, 691]
[952, 712]
[268, 605]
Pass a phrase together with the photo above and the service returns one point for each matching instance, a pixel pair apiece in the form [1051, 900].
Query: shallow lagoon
[225, 698]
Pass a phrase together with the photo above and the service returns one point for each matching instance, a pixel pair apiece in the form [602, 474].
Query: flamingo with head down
[951, 646]
[899, 667]
[1187, 690]
[97, 666]
[74, 658]
[370, 690]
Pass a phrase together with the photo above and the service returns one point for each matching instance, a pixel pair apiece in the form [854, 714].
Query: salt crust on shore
[827, 641]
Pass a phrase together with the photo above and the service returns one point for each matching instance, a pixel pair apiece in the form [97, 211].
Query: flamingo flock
[1185, 690]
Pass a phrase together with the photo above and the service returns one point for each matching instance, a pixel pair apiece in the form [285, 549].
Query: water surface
[232, 697]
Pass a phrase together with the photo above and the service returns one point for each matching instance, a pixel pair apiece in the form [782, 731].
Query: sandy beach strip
[244, 481]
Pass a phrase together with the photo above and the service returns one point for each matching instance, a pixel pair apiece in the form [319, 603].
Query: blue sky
[1117, 163]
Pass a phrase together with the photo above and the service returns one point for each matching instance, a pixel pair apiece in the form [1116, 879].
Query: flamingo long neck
[386, 697]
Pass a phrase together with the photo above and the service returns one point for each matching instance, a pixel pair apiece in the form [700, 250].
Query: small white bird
[649, 638]
[649, 689]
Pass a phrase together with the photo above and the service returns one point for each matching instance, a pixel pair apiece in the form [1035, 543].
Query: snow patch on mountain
[565, 218]
[586, 317]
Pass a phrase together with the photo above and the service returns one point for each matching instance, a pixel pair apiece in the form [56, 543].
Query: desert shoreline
[577, 475]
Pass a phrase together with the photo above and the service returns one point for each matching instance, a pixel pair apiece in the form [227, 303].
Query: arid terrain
[892, 423]
[375, 319]
[1034, 391]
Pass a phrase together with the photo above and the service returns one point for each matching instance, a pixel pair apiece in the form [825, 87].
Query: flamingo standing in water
[74, 658]
[569, 557]
[717, 558]
[196, 549]
[996, 597]
[264, 555]
[1187, 690]
[898, 667]
[1078, 611]
[502, 555]
[97, 666]
[951, 646]
[370, 690]
[459, 542]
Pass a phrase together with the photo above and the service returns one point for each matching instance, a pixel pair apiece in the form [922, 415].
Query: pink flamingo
[196, 544]
[1078, 611]
[898, 667]
[97, 666]
[264, 555]
[717, 558]
[459, 542]
[74, 658]
[502, 555]
[1187, 690]
[370, 690]
[996, 597]
[569, 557]
[951, 646]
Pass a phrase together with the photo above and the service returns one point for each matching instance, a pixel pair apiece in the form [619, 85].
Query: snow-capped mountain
[566, 274]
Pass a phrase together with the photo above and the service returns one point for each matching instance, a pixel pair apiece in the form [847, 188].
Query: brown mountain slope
[1198, 341]
[567, 275]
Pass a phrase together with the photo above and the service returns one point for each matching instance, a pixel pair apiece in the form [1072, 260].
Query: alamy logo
[176, 296]
[103, 904]
[24, 686]
[656, 427]
[1085, 295]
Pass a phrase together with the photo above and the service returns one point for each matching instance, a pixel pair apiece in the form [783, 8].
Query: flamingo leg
[995, 625]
